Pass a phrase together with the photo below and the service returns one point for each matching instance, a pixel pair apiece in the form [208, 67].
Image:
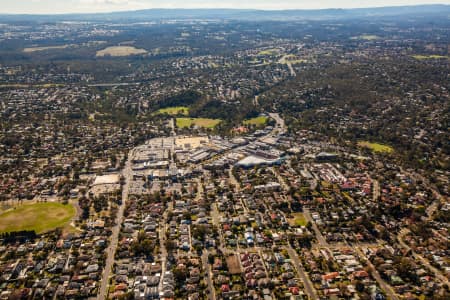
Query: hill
[438, 10]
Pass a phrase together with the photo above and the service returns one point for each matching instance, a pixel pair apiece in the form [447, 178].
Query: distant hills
[439, 10]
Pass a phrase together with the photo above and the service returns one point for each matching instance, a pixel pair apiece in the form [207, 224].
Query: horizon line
[221, 8]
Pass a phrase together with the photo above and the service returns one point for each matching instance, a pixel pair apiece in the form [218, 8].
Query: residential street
[386, 287]
[309, 287]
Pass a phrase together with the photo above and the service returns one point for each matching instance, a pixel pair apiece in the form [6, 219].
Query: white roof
[252, 160]
[107, 179]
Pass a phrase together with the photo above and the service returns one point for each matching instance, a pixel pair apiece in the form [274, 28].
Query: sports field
[269, 52]
[117, 51]
[376, 147]
[173, 111]
[262, 120]
[423, 57]
[36, 49]
[40, 217]
[292, 59]
[297, 220]
[366, 37]
[201, 122]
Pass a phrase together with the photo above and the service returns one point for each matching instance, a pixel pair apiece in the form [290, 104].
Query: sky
[90, 6]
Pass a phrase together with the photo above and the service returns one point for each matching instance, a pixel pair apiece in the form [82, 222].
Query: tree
[179, 274]
[359, 286]
[170, 245]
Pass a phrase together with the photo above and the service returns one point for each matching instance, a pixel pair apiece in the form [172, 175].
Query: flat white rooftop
[107, 179]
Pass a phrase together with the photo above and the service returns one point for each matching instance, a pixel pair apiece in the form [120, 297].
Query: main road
[281, 126]
[162, 243]
[127, 174]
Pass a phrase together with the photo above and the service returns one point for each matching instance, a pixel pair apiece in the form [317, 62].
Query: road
[438, 274]
[113, 84]
[200, 190]
[291, 69]
[431, 209]
[237, 188]
[289, 64]
[320, 239]
[209, 280]
[309, 287]
[215, 216]
[127, 174]
[440, 236]
[376, 190]
[66, 265]
[233, 180]
[280, 179]
[162, 243]
[172, 127]
[386, 287]
[281, 126]
[255, 100]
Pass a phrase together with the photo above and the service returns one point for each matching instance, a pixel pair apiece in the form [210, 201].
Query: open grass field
[297, 61]
[233, 264]
[269, 52]
[37, 49]
[21, 85]
[173, 111]
[366, 37]
[257, 63]
[117, 51]
[40, 217]
[297, 220]
[376, 147]
[258, 121]
[200, 122]
[424, 57]
[213, 65]
[292, 59]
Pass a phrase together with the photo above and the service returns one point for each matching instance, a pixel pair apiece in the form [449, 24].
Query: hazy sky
[70, 6]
